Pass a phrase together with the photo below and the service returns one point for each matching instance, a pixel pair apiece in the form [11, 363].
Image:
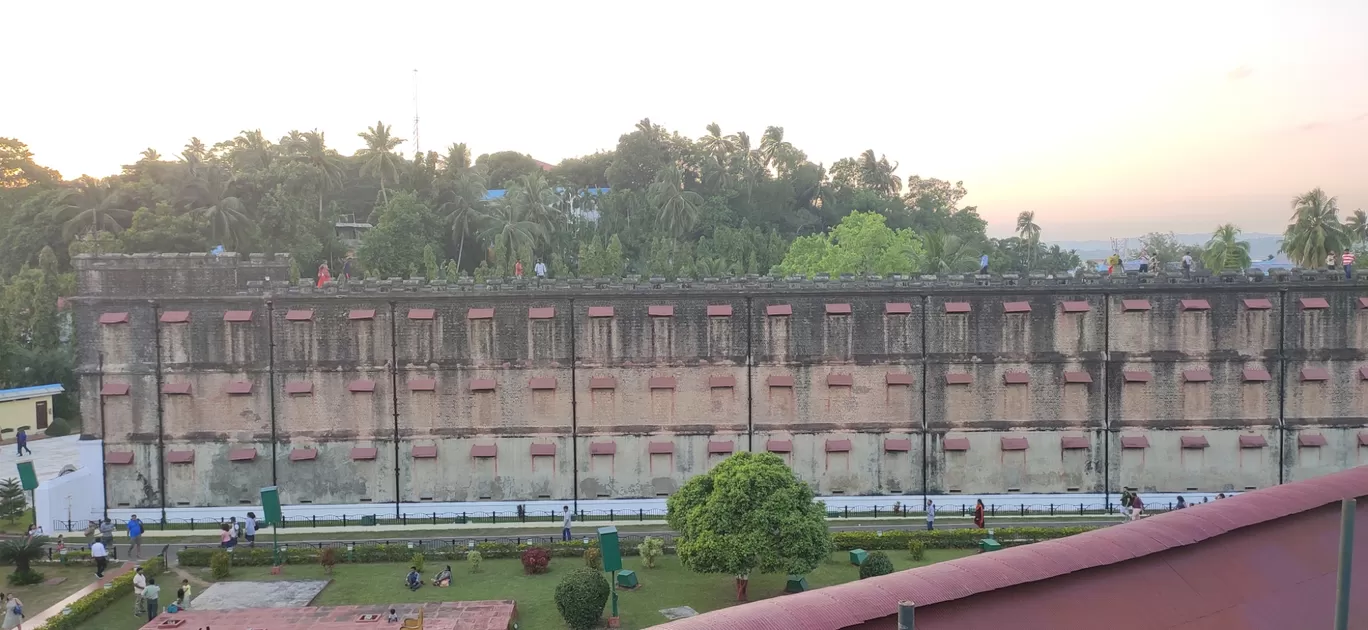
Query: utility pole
[417, 145]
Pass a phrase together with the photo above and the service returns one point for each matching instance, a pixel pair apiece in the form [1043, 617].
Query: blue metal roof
[498, 193]
[20, 393]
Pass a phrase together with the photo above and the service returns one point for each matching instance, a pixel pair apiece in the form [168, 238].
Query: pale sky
[1105, 118]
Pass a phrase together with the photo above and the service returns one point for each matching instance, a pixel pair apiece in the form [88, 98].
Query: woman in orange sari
[978, 514]
[323, 275]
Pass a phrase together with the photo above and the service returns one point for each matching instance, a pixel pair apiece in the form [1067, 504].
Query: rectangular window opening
[1073, 489]
[603, 495]
[1251, 487]
[177, 503]
[1191, 490]
[424, 498]
[485, 497]
[244, 501]
[543, 496]
[366, 499]
[123, 505]
[954, 491]
[838, 491]
[1014, 489]
[306, 500]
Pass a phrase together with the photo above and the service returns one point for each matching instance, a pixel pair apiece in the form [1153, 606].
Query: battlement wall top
[233, 274]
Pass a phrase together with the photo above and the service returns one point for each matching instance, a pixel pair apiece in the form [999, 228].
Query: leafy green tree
[1225, 251]
[947, 253]
[325, 166]
[17, 168]
[226, 215]
[580, 598]
[1356, 227]
[861, 244]
[1315, 231]
[875, 564]
[1030, 232]
[749, 513]
[396, 245]
[164, 229]
[503, 168]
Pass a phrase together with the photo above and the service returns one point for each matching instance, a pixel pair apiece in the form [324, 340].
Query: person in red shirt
[1348, 263]
[323, 275]
[978, 514]
[517, 268]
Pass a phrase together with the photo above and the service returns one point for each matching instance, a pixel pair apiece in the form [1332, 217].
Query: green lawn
[119, 616]
[666, 586]
[38, 597]
[17, 525]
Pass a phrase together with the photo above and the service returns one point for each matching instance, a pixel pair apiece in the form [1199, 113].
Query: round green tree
[749, 513]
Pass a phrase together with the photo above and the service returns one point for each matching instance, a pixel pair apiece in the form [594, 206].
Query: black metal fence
[494, 518]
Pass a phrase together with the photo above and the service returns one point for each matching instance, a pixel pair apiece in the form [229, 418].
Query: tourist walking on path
[978, 514]
[107, 533]
[14, 613]
[1347, 259]
[139, 585]
[1137, 506]
[21, 439]
[151, 594]
[226, 538]
[1187, 265]
[251, 526]
[135, 532]
[100, 556]
[565, 523]
[930, 515]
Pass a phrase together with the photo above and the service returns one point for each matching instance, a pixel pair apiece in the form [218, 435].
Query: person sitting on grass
[415, 579]
[443, 578]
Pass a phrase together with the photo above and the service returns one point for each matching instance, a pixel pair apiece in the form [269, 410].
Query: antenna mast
[417, 145]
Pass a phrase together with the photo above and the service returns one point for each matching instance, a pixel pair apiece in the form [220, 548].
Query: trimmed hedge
[892, 540]
[93, 604]
[949, 538]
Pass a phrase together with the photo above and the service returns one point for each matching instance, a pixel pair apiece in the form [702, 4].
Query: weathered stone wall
[218, 382]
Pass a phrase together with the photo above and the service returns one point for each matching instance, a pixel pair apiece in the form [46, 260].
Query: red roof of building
[1262, 559]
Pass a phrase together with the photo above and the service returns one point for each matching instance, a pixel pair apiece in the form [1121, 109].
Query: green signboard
[612, 553]
[270, 505]
[27, 478]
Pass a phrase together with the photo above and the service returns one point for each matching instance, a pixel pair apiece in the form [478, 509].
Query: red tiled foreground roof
[1263, 559]
[476, 615]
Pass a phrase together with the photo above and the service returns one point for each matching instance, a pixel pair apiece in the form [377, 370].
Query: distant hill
[1260, 245]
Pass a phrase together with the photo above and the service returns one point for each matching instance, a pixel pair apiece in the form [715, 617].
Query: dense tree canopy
[749, 513]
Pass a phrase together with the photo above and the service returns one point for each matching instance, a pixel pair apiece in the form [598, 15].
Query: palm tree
[457, 158]
[1029, 232]
[746, 163]
[945, 253]
[1315, 231]
[378, 159]
[678, 208]
[717, 145]
[22, 552]
[226, 214]
[92, 206]
[509, 232]
[1356, 226]
[311, 149]
[1225, 250]
[149, 155]
[534, 200]
[878, 174]
[251, 148]
[774, 149]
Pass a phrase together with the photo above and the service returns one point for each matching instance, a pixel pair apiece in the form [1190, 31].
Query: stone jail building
[209, 377]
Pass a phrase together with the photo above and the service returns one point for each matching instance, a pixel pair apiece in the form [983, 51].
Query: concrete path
[49, 456]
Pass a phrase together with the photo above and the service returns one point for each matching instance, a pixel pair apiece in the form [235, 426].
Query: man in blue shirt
[22, 440]
[135, 531]
[983, 264]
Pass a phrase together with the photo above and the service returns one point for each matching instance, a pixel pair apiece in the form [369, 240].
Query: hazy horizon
[1105, 121]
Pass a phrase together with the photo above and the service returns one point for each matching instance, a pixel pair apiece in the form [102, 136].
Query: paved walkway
[114, 571]
[49, 456]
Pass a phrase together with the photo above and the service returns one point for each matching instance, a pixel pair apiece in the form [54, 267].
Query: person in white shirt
[930, 515]
[1187, 264]
[565, 522]
[101, 557]
[540, 269]
[139, 583]
[251, 527]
